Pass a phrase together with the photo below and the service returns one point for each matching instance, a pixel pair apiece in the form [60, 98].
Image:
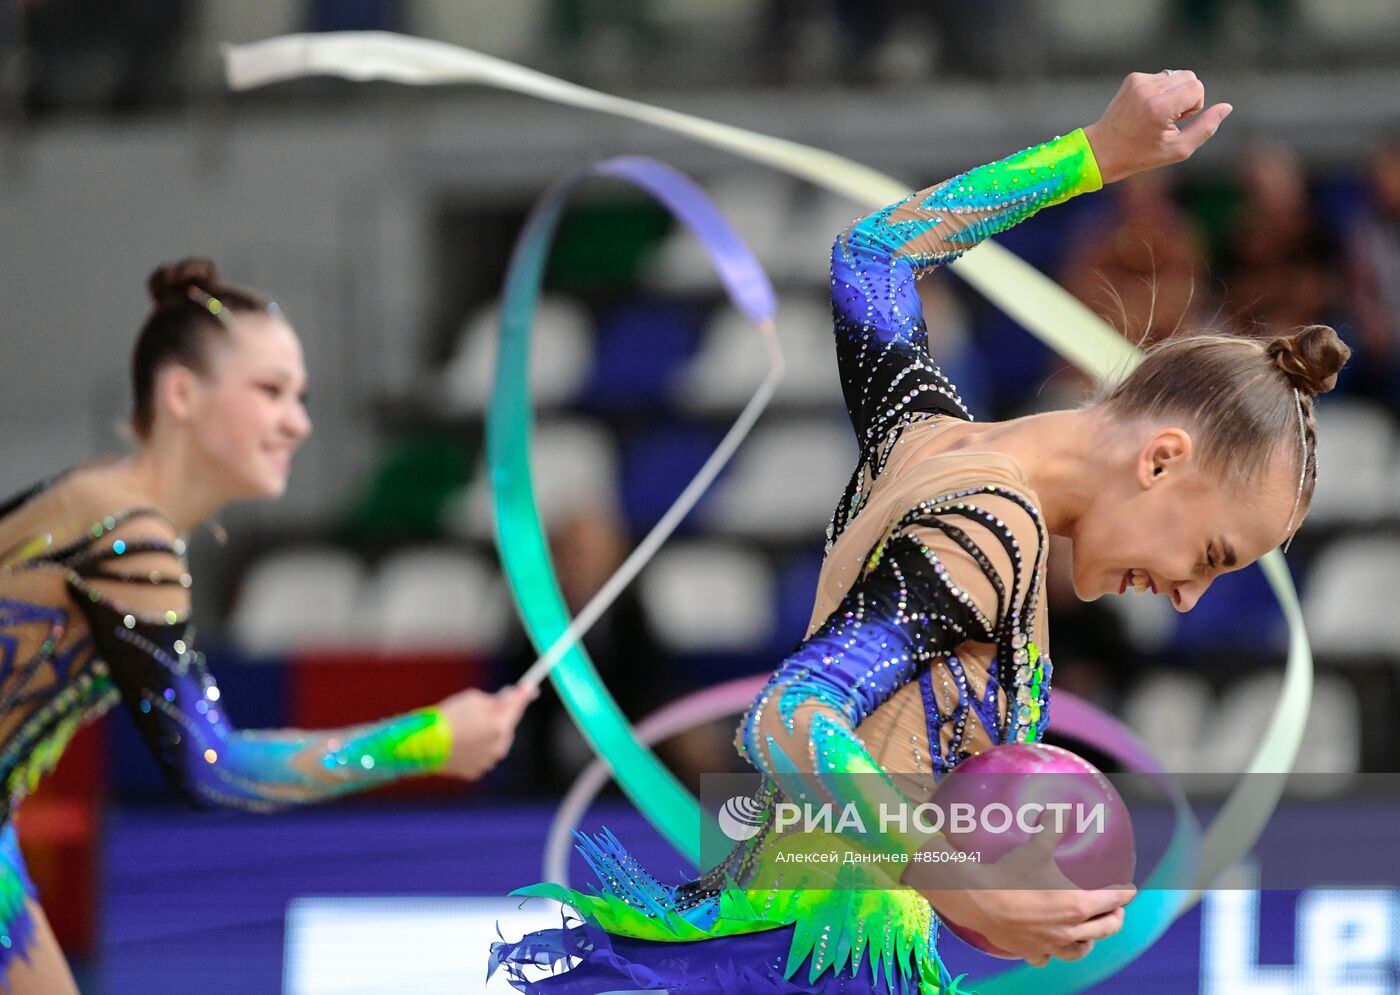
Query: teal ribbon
[520, 535]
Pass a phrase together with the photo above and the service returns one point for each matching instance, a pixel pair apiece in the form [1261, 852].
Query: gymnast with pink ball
[928, 648]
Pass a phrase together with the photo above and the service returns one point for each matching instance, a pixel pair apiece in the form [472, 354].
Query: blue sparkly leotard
[926, 646]
[94, 610]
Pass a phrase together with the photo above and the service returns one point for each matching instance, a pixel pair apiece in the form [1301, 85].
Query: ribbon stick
[520, 535]
[1039, 304]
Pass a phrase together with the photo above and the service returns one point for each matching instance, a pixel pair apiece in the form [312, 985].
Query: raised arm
[133, 586]
[959, 569]
[881, 339]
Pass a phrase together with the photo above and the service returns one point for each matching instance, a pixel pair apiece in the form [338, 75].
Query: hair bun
[171, 282]
[1311, 357]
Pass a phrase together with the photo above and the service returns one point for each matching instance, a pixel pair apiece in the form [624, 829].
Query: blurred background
[381, 219]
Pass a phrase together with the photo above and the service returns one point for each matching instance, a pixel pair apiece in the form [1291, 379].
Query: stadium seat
[1331, 738]
[786, 480]
[797, 579]
[643, 348]
[732, 360]
[1091, 28]
[1174, 713]
[657, 463]
[1353, 23]
[1356, 445]
[561, 354]
[1239, 612]
[509, 31]
[1349, 599]
[706, 597]
[761, 208]
[573, 464]
[436, 598]
[299, 599]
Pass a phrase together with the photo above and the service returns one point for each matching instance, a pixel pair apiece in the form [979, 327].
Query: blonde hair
[1245, 397]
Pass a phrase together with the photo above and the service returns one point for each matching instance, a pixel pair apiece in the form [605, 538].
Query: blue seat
[656, 465]
[1238, 612]
[642, 348]
[796, 590]
[1015, 361]
[354, 15]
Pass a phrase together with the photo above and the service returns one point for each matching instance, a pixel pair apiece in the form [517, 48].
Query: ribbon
[1040, 305]
[520, 536]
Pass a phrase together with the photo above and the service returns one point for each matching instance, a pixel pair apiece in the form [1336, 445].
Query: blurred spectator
[1373, 278]
[1281, 257]
[1143, 268]
[882, 41]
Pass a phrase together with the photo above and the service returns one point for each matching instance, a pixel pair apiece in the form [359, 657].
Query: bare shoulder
[91, 498]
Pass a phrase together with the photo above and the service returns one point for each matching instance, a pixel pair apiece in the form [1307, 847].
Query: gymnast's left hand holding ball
[96, 590]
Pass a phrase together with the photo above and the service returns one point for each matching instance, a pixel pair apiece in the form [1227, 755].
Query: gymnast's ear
[178, 387]
[1163, 456]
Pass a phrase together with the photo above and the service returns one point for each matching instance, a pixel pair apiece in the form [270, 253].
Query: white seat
[732, 360]
[574, 465]
[1349, 600]
[1356, 445]
[1173, 713]
[1244, 714]
[299, 599]
[709, 597]
[1355, 23]
[698, 16]
[1392, 504]
[1091, 27]
[561, 355]
[436, 598]
[1331, 737]
[760, 207]
[509, 31]
[219, 23]
[785, 480]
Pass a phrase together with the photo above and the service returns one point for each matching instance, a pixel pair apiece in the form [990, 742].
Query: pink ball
[1017, 775]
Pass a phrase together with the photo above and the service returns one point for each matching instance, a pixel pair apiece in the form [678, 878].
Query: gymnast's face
[1170, 528]
[246, 417]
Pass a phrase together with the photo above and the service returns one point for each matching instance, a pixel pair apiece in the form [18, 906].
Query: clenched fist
[1139, 130]
[483, 726]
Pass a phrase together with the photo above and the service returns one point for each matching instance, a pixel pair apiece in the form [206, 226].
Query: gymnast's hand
[483, 726]
[1139, 130]
[1022, 903]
